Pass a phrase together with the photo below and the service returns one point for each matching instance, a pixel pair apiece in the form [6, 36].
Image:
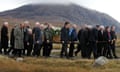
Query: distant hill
[60, 13]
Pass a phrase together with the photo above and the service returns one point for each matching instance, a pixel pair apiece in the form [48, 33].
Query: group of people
[24, 40]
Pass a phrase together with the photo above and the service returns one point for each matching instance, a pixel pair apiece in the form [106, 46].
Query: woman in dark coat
[12, 41]
[4, 37]
[108, 39]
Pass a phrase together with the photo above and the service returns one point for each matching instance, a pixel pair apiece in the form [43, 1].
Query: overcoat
[19, 38]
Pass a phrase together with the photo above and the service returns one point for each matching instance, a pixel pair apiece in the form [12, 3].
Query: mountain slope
[60, 13]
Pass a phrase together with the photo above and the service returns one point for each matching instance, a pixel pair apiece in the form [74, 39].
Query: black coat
[93, 35]
[100, 36]
[4, 37]
[113, 36]
[30, 39]
[83, 36]
[26, 34]
[37, 35]
[65, 34]
[106, 37]
[12, 38]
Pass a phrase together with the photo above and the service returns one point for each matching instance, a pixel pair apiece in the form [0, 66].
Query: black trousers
[64, 50]
[4, 50]
[92, 48]
[84, 51]
[29, 49]
[18, 52]
[71, 49]
[4, 45]
[37, 49]
[113, 48]
[47, 49]
[11, 50]
[78, 49]
[100, 47]
[44, 49]
[25, 48]
[107, 50]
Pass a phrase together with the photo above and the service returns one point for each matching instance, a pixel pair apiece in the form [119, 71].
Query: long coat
[12, 38]
[65, 34]
[83, 36]
[4, 37]
[19, 37]
[37, 33]
[48, 34]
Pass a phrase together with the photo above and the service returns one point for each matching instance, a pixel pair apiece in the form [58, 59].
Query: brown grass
[55, 65]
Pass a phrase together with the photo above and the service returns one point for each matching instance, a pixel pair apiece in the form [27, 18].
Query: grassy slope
[55, 65]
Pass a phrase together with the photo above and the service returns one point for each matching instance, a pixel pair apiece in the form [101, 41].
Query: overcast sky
[110, 7]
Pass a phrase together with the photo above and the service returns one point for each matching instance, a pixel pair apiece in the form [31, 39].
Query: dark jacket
[26, 34]
[30, 39]
[37, 35]
[4, 37]
[93, 35]
[100, 36]
[107, 38]
[73, 35]
[64, 34]
[113, 36]
[83, 36]
[12, 38]
[48, 34]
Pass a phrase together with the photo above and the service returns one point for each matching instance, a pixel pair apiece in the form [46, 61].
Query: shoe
[75, 54]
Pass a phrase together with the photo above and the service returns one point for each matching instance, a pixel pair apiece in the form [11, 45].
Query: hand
[28, 44]
[37, 41]
[48, 41]
[96, 41]
[62, 41]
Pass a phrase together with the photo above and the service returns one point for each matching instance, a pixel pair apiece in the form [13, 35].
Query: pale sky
[110, 7]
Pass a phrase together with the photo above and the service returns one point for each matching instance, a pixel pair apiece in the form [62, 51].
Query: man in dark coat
[12, 42]
[83, 41]
[4, 37]
[29, 42]
[65, 39]
[114, 38]
[26, 27]
[107, 39]
[100, 44]
[37, 35]
[93, 36]
[73, 39]
[48, 40]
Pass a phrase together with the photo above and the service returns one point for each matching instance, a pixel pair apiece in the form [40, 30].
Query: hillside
[59, 14]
